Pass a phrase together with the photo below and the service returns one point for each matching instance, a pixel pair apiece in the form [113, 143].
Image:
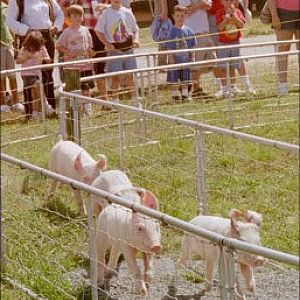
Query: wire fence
[55, 259]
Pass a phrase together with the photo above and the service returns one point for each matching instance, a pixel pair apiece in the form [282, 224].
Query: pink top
[76, 39]
[293, 5]
[34, 59]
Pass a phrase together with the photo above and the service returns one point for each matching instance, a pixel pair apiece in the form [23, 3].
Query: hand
[164, 16]
[92, 53]
[136, 44]
[52, 30]
[109, 47]
[171, 60]
[276, 23]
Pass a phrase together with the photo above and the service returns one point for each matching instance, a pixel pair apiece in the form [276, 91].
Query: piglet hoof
[148, 277]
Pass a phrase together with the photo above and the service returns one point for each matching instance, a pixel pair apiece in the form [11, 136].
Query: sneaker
[251, 90]
[187, 99]
[282, 89]
[235, 90]
[88, 109]
[18, 107]
[49, 109]
[219, 93]
[36, 115]
[199, 94]
[176, 98]
[5, 108]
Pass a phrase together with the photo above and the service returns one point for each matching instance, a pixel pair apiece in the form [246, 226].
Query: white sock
[218, 82]
[185, 92]
[246, 80]
[175, 93]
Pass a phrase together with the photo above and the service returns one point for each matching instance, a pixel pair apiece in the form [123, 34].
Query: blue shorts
[121, 64]
[183, 75]
[227, 53]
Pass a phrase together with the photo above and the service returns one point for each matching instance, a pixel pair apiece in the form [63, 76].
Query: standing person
[7, 63]
[286, 23]
[118, 31]
[180, 37]
[197, 20]
[76, 43]
[229, 20]
[161, 10]
[45, 16]
[32, 53]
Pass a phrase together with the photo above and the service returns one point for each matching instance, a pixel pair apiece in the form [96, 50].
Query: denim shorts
[121, 64]
[174, 76]
[227, 53]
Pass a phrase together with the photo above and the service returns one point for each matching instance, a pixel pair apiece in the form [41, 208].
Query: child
[76, 43]
[7, 63]
[118, 31]
[229, 20]
[180, 37]
[32, 53]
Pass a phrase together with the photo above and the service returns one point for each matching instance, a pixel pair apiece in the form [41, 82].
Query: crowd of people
[33, 30]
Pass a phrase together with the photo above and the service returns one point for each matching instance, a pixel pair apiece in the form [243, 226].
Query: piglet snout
[155, 248]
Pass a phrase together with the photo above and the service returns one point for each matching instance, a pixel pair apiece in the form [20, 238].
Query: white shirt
[198, 21]
[35, 16]
[117, 25]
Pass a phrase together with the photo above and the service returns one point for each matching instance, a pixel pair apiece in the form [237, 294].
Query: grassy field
[46, 239]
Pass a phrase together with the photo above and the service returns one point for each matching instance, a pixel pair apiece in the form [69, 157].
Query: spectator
[76, 43]
[32, 53]
[118, 31]
[7, 63]
[180, 37]
[286, 23]
[45, 16]
[243, 7]
[161, 9]
[229, 20]
[197, 20]
[213, 30]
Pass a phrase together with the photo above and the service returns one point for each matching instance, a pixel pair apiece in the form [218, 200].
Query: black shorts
[87, 85]
[289, 19]
[98, 46]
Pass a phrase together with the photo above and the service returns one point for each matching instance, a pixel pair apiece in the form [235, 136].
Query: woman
[286, 23]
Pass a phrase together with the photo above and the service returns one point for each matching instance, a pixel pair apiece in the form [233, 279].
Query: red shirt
[230, 33]
[216, 5]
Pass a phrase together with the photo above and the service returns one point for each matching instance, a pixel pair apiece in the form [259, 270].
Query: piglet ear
[77, 164]
[101, 163]
[234, 229]
[148, 199]
[253, 217]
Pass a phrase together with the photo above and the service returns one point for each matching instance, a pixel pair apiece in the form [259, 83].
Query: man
[45, 16]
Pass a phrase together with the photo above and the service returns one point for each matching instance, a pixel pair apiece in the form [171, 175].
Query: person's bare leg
[36, 98]
[101, 87]
[115, 88]
[3, 91]
[14, 89]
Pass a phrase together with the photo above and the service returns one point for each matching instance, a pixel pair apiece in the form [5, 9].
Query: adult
[7, 63]
[197, 20]
[286, 23]
[45, 16]
[163, 9]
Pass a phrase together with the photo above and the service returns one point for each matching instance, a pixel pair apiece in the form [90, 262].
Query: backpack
[160, 29]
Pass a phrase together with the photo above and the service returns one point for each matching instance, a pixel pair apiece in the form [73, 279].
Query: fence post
[231, 274]
[43, 102]
[76, 103]
[202, 208]
[121, 141]
[156, 95]
[222, 275]
[2, 246]
[62, 117]
[149, 84]
[92, 249]
[72, 80]
[230, 114]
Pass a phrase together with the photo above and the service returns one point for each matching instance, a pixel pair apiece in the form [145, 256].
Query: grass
[46, 240]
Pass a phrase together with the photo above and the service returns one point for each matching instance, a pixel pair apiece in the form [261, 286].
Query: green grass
[46, 240]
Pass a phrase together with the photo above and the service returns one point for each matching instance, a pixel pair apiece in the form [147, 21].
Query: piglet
[127, 232]
[117, 183]
[71, 160]
[246, 230]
